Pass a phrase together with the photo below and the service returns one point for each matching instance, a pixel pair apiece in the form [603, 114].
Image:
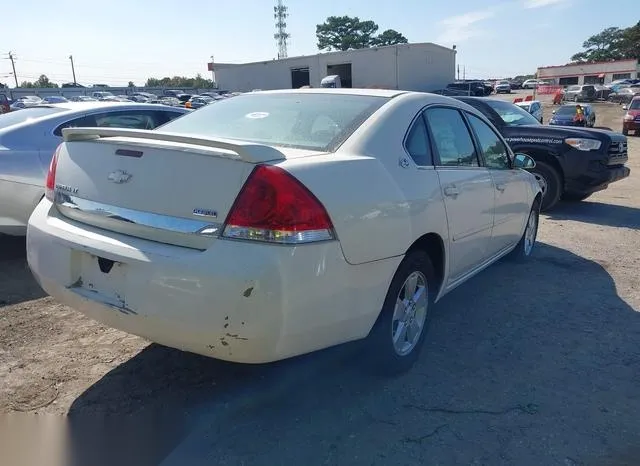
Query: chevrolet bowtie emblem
[119, 176]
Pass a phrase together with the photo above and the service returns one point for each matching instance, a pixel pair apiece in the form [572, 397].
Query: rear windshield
[20, 116]
[305, 121]
[566, 110]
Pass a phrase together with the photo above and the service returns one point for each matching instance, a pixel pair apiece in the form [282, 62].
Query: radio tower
[280, 13]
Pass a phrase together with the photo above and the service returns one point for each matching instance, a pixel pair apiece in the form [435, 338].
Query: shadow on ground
[528, 365]
[16, 281]
[597, 213]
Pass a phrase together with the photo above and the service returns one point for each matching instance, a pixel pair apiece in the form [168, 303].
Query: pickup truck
[571, 162]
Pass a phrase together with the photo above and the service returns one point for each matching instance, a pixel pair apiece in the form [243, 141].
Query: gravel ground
[528, 365]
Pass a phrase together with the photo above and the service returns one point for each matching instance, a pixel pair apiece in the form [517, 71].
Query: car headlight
[584, 143]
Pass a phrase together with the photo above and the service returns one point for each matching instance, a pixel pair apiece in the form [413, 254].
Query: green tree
[42, 81]
[612, 43]
[344, 33]
[181, 82]
[630, 44]
[389, 37]
[131, 84]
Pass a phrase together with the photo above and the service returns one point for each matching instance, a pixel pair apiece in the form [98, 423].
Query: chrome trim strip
[137, 217]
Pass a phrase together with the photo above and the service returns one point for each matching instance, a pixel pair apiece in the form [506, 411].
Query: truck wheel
[575, 197]
[550, 184]
[525, 246]
[394, 343]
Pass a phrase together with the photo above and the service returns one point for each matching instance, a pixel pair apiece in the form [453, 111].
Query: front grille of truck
[618, 153]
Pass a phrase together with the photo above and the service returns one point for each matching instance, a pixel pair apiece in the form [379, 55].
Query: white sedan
[282, 222]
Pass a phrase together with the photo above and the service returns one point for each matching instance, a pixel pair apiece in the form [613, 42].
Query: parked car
[54, 99]
[240, 265]
[25, 101]
[631, 119]
[624, 95]
[82, 98]
[29, 138]
[571, 162]
[564, 115]
[475, 88]
[515, 84]
[66, 85]
[172, 92]
[534, 107]
[198, 101]
[503, 87]
[170, 101]
[531, 83]
[581, 93]
[602, 92]
[101, 95]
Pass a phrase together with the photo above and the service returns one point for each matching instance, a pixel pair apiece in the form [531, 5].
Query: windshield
[15, 118]
[635, 104]
[511, 114]
[306, 121]
[566, 110]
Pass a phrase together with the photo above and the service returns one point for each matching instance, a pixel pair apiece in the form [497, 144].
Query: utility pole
[464, 72]
[13, 65]
[213, 73]
[73, 70]
[458, 71]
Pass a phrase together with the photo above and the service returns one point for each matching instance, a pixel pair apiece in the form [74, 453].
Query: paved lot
[529, 365]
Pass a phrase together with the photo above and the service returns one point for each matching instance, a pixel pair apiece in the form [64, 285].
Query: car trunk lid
[164, 187]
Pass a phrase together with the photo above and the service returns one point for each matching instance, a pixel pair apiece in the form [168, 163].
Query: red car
[631, 120]
[4, 104]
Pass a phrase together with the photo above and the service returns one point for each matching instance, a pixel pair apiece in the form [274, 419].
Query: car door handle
[451, 191]
[500, 187]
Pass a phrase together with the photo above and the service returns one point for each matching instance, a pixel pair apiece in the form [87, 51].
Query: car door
[509, 184]
[467, 189]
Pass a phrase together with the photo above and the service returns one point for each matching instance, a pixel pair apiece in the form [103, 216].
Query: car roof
[91, 105]
[340, 90]
[527, 102]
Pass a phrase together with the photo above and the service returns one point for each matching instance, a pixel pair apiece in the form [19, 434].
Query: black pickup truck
[571, 162]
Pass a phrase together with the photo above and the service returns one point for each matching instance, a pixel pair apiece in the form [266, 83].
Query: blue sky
[132, 40]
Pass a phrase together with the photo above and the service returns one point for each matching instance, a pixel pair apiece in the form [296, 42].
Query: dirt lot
[534, 364]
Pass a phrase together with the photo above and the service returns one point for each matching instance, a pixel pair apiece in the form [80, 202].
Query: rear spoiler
[246, 151]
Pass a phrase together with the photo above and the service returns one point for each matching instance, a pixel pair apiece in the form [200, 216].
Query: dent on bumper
[236, 301]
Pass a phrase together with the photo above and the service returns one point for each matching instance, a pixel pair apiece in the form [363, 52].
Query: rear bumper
[236, 301]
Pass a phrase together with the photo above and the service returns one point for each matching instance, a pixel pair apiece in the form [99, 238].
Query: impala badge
[205, 213]
[119, 176]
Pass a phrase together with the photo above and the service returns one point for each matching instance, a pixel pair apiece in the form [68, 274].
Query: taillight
[275, 207]
[51, 176]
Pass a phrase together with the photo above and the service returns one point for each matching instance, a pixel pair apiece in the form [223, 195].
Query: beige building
[419, 67]
[590, 73]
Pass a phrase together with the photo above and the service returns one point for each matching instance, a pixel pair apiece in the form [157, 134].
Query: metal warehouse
[590, 73]
[416, 67]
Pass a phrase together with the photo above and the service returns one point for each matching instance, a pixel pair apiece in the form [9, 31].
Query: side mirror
[523, 161]
[625, 107]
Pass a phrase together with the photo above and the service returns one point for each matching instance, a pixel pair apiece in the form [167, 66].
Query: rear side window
[417, 143]
[451, 138]
[305, 120]
[131, 119]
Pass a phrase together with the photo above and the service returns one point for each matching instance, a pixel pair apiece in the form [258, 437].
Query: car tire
[526, 245]
[575, 197]
[625, 132]
[384, 355]
[550, 182]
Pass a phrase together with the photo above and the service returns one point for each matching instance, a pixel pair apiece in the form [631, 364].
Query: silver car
[534, 107]
[28, 139]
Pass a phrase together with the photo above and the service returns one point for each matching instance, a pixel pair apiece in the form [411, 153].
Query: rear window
[305, 121]
[566, 110]
[20, 116]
